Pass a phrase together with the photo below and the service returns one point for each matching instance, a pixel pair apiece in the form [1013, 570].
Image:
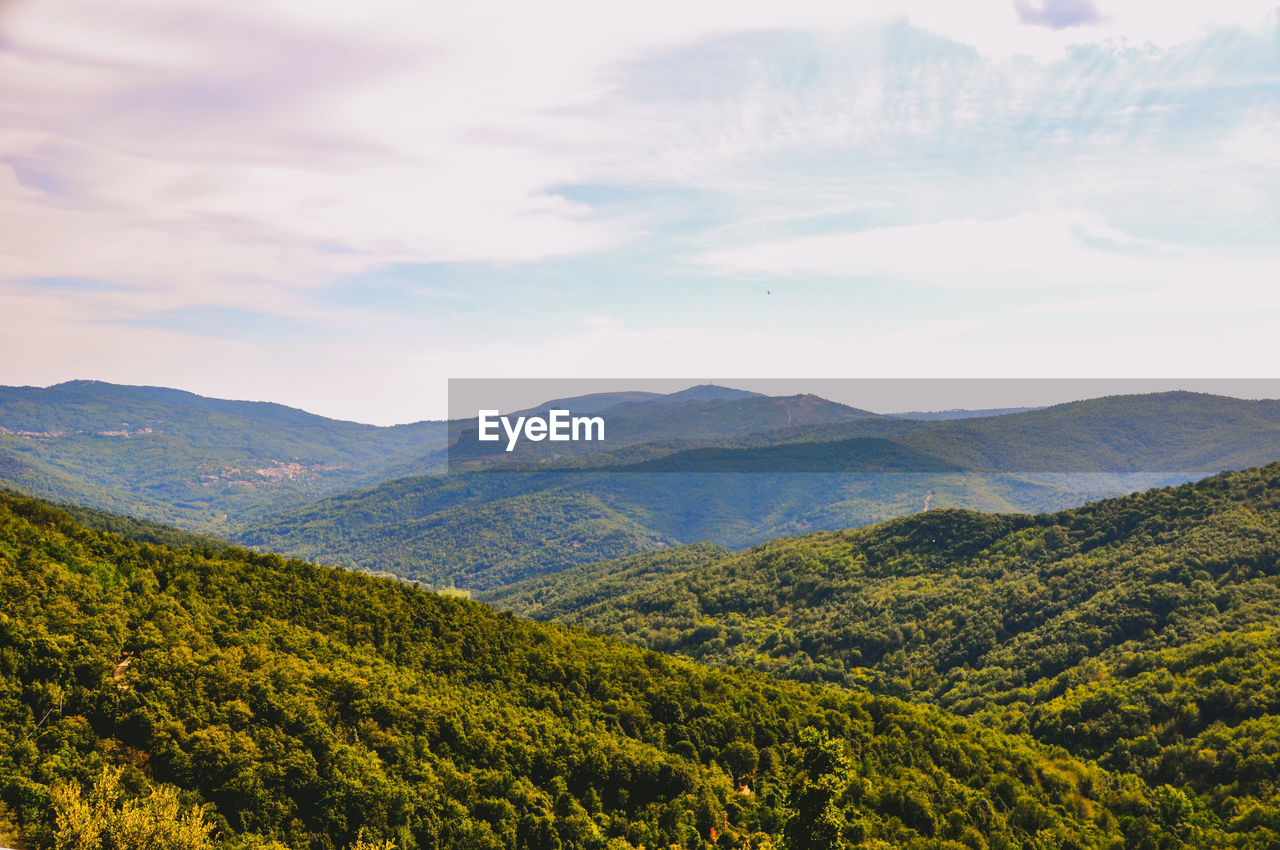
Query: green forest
[1102, 676]
[153, 696]
[1143, 632]
[482, 530]
[704, 464]
[203, 463]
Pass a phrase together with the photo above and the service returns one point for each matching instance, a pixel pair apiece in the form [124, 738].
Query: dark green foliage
[1139, 631]
[317, 707]
[141, 530]
[817, 818]
[497, 536]
[481, 530]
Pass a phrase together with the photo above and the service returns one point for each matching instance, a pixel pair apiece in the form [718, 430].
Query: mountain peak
[710, 392]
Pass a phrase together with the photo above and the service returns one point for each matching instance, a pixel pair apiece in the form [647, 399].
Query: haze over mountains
[705, 464]
[538, 522]
[198, 462]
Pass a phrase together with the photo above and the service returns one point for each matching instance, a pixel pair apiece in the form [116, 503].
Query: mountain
[706, 464]
[1140, 631]
[306, 706]
[213, 465]
[704, 413]
[596, 402]
[959, 413]
[1159, 432]
[711, 392]
[203, 463]
[414, 530]
[1156, 432]
[481, 530]
[743, 490]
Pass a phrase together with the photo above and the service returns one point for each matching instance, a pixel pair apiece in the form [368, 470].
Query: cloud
[218, 161]
[1069, 250]
[217, 323]
[1023, 250]
[70, 284]
[235, 151]
[1058, 14]
[293, 143]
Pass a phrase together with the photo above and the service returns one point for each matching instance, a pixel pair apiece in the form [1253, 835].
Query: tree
[817, 819]
[101, 820]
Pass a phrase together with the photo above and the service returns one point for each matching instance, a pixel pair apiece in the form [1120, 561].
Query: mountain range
[198, 462]
[705, 464]
[754, 487]
[660, 653]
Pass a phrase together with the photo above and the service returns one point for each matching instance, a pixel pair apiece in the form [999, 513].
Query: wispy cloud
[1025, 250]
[216, 323]
[70, 284]
[1058, 14]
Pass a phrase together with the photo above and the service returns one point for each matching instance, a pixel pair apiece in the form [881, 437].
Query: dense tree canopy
[304, 706]
[1140, 631]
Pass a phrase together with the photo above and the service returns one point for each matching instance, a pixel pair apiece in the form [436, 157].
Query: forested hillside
[745, 489]
[204, 463]
[706, 464]
[1157, 432]
[1142, 631]
[481, 530]
[309, 707]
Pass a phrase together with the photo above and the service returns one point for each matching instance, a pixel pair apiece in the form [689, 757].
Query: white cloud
[397, 131]
[1075, 252]
[247, 155]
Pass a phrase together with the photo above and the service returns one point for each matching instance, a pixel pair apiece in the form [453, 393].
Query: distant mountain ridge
[703, 413]
[597, 402]
[80, 405]
[706, 464]
[1071, 454]
[179, 457]
[959, 413]
[1159, 432]
[212, 464]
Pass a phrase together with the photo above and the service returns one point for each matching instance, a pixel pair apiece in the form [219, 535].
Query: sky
[342, 206]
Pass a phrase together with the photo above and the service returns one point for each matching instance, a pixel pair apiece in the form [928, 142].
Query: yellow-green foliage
[1138, 631]
[103, 819]
[308, 707]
